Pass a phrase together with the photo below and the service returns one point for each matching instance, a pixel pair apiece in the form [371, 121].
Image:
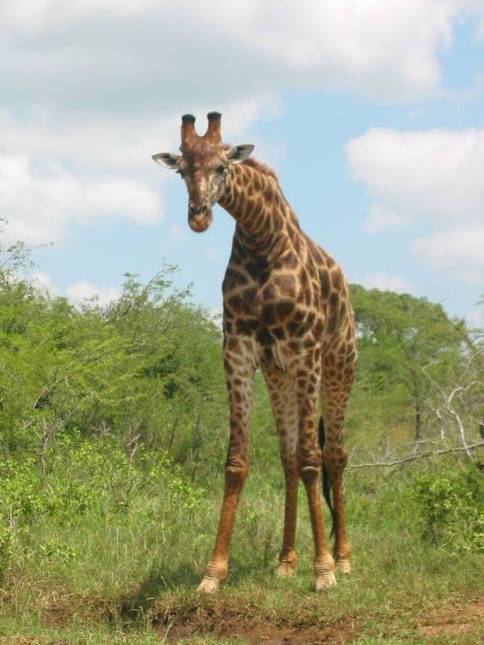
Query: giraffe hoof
[208, 585]
[285, 570]
[326, 580]
[344, 565]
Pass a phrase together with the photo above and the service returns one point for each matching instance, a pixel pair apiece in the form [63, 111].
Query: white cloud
[433, 177]
[382, 220]
[97, 86]
[39, 205]
[119, 54]
[95, 144]
[52, 175]
[435, 173]
[76, 292]
[85, 290]
[458, 249]
[386, 282]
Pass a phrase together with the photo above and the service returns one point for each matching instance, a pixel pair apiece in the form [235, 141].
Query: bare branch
[421, 455]
[457, 418]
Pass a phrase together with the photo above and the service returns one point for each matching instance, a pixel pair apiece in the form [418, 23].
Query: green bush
[450, 505]
[21, 495]
[81, 476]
[5, 548]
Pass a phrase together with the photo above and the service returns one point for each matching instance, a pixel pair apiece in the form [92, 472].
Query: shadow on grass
[159, 580]
[242, 571]
[185, 578]
[165, 592]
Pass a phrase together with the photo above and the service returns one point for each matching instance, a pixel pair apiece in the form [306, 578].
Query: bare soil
[267, 634]
[453, 620]
[230, 620]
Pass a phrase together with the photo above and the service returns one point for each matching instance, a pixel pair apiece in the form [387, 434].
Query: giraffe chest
[272, 299]
[274, 314]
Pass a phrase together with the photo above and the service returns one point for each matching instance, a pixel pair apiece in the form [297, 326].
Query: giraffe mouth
[201, 221]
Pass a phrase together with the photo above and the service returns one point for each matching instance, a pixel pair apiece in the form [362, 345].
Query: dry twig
[422, 455]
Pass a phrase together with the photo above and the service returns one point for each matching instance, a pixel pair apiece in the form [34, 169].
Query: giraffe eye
[220, 169]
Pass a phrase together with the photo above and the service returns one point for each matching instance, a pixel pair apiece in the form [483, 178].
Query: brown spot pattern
[286, 309]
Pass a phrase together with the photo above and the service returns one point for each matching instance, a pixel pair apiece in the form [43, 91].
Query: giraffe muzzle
[199, 218]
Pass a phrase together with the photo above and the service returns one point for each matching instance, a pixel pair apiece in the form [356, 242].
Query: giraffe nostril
[197, 210]
[200, 220]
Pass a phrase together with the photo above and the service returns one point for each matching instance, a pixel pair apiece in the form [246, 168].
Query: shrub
[450, 505]
[5, 548]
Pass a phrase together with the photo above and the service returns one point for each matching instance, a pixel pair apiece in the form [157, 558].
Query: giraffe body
[287, 311]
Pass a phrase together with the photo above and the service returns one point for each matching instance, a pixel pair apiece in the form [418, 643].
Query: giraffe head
[203, 164]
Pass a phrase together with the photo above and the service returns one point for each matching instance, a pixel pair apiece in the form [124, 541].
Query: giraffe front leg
[239, 371]
[288, 556]
[284, 408]
[217, 569]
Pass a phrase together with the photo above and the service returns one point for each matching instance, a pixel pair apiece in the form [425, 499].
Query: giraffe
[286, 310]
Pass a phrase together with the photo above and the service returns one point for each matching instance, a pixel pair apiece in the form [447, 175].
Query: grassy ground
[126, 572]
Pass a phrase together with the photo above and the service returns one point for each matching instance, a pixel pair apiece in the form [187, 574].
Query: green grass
[125, 570]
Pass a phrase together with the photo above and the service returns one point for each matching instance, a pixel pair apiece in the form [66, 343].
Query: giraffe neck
[255, 201]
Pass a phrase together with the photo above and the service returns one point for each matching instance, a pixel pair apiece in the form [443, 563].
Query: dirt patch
[246, 619]
[453, 620]
[267, 634]
[228, 623]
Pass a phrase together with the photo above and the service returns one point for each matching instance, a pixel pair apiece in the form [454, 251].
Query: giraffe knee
[236, 471]
[310, 467]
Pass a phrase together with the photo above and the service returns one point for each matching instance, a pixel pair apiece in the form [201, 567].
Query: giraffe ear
[239, 153]
[167, 159]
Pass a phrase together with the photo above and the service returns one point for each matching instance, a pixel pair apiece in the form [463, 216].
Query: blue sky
[372, 114]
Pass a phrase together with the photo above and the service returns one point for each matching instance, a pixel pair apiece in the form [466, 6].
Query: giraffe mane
[261, 167]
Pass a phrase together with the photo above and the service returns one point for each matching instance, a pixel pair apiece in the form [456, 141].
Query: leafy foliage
[451, 508]
[149, 366]
[405, 343]
[113, 425]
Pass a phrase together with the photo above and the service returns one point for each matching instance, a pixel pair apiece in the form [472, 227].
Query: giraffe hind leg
[308, 375]
[334, 461]
[337, 379]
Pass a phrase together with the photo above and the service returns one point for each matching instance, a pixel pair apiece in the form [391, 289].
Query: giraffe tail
[326, 477]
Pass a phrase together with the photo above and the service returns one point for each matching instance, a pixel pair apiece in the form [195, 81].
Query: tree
[459, 401]
[404, 340]
[146, 368]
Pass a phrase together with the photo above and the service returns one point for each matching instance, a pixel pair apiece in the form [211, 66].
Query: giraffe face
[204, 171]
[204, 166]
